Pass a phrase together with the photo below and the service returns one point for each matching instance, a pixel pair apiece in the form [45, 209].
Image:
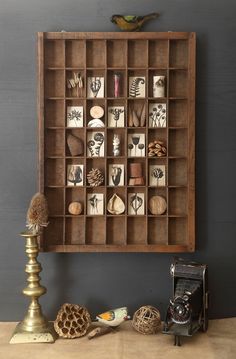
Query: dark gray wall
[102, 281]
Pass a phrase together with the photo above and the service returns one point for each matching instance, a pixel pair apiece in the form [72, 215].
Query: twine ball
[147, 320]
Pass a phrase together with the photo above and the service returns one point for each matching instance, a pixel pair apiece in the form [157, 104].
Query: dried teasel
[37, 214]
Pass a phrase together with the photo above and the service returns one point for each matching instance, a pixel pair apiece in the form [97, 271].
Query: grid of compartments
[145, 88]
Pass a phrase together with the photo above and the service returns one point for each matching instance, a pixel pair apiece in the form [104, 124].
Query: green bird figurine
[132, 22]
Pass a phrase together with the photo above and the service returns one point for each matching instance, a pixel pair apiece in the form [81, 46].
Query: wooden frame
[102, 55]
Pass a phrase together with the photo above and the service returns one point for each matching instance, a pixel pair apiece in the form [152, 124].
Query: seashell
[115, 205]
[135, 119]
[75, 145]
[96, 122]
[151, 144]
[75, 208]
[157, 205]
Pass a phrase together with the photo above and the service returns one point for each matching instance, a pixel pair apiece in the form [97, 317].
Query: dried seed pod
[135, 119]
[151, 144]
[37, 214]
[130, 119]
[143, 116]
[72, 321]
[75, 208]
[95, 177]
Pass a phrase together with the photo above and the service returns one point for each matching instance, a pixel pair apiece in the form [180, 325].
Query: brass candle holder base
[34, 328]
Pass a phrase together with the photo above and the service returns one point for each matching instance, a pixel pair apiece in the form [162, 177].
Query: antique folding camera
[188, 309]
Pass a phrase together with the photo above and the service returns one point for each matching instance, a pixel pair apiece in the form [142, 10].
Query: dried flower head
[37, 214]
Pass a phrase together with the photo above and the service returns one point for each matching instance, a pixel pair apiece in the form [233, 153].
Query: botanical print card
[157, 175]
[95, 144]
[137, 86]
[116, 116]
[75, 175]
[95, 87]
[136, 204]
[75, 116]
[136, 145]
[116, 175]
[95, 203]
[157, 115]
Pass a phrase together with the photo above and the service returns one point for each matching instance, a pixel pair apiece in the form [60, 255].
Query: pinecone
[95, 177]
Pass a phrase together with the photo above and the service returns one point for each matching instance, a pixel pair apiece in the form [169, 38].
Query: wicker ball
[147, 320]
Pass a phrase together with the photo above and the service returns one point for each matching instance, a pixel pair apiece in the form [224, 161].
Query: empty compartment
[116, 83]
[75, 194]
[96, 53]
[96, 163]
[116, 172]
[55, 200]
[178, 142]
[54, 54]
[119, 150]
[136, 231]
[54, 172]
[178, 83]
[178, 53]
[178, 172]
[54, 84]
[137, 53]
[74, 87]
[178, 113]
[95, 230]
[77, 148]
[177, 231]
[158, 53]
[137, 113]
[75, 53]
[116, 231]
[153, 192]
[116, 53]
[53, 233]
[114, 205]
[157, 83]
[54, 113]
[75, 230]
[54, 143]
[157, 231]
[178, 201]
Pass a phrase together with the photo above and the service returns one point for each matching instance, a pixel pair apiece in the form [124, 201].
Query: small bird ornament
[132, 22]
[113, 317]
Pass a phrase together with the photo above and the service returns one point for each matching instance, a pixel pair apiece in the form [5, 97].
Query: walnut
[72, 321]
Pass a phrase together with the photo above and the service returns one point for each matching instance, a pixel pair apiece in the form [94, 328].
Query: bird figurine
[132, 22]
[113, 317]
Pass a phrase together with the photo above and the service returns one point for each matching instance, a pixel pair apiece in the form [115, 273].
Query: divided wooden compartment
[155, 59]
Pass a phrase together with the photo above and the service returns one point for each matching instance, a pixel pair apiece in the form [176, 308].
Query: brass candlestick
[34, 327]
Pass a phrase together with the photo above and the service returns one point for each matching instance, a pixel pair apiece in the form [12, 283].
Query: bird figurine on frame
[132, 22]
